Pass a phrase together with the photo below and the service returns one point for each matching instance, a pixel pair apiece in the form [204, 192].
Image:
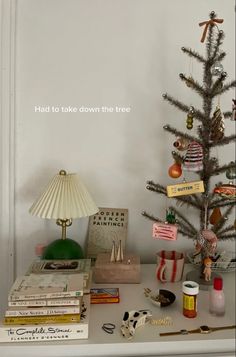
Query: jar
[190, 292]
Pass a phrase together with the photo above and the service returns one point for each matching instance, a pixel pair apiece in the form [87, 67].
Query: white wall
[105, 53]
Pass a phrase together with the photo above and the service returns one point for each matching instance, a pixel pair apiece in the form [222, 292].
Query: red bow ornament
[211, 22]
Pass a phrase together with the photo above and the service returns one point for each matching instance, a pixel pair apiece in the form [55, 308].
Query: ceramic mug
[170, 266]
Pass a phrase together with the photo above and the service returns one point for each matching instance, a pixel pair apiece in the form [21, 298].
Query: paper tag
[185, 188]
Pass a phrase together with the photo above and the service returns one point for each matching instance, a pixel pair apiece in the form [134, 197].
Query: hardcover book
[44, 286]
[105, 227]
[50, 332]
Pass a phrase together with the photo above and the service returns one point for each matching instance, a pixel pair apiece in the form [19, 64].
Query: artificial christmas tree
[199, 156]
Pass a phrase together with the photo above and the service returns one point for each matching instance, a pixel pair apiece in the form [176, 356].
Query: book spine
[63, 302]
[104, 296]
[74, 318]
[47, 302]
[62, 294]
[43, 333]
[105, 301]
[43, 311]
[32, 303]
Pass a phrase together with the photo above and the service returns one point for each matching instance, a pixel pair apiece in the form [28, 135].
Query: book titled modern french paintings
[105, 227]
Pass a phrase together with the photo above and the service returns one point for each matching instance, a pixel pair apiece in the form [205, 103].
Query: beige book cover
[107, 226]
[43, 286]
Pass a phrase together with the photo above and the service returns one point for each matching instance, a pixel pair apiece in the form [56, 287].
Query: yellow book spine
[29, 320]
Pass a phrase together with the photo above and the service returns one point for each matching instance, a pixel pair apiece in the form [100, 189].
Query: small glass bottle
[190, 292]
[217, 298]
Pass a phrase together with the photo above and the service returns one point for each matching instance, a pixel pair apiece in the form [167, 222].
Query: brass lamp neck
[64, 223]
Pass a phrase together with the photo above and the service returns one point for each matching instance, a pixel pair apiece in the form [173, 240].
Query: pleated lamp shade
[65, 197]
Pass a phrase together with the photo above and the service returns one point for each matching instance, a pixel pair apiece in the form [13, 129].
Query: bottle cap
[218, 283]
[190, 288]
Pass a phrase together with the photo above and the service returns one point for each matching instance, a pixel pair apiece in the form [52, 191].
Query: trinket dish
[161, 298]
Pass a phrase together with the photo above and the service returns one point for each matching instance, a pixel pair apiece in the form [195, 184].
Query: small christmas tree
[214, 205]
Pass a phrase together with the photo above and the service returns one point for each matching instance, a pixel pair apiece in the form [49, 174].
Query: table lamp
[64, 199]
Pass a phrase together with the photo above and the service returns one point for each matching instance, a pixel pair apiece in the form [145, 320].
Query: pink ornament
[208, 241]
[164, 231]
[193, 160]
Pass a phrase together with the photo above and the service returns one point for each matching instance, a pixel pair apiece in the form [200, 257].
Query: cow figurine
[132, 320]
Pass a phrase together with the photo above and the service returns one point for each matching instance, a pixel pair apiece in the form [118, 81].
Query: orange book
[104, 295]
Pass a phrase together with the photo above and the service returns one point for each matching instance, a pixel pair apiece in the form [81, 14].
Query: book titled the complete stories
[49, 332]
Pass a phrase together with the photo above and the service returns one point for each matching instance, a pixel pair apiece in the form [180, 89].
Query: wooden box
[125, 272]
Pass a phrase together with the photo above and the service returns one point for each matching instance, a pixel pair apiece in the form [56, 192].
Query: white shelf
[146, 341]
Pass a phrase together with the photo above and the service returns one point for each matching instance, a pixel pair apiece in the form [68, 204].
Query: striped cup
[170, 266]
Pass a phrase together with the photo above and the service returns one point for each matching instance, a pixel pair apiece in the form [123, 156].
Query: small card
[185, 188]
[164, 231]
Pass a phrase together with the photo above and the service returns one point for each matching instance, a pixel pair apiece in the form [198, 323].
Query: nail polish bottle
[217, 298]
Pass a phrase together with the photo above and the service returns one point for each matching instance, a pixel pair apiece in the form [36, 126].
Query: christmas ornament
[194, 157]
[170, 216]
[189, 120]
[181, 144]
[233, 110]
[213, 21]
[226, 190]
[175, 170]
[206, 242]
[217, 125]
[231, 172]
[164, 231]
[185, 188]
[217, 69]
[216, 216]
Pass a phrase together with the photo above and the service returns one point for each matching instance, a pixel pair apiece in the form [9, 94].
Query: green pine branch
[194, 54]
[194, 85]
[224, 141]
[155, 187]
[221, 169]
[177, 157]
[217, 86]
[225, 230]
[225, 88]
[227, 115]
[177, 132]
[184, 221]
[183, 107]
[220, 57]
[228, 236]
[217, 43]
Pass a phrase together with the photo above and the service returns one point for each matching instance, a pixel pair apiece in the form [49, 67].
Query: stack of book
[49, 303]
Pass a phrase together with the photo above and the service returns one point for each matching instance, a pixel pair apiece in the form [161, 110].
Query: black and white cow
[132, 320]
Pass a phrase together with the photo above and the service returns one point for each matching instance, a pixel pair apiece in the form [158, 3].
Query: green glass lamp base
[63, 249]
